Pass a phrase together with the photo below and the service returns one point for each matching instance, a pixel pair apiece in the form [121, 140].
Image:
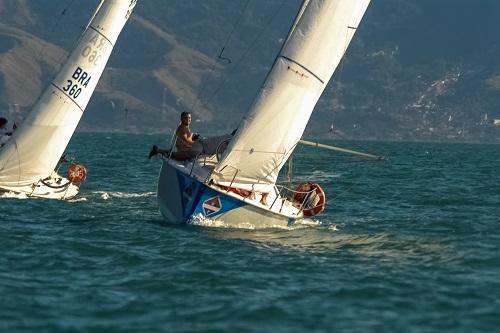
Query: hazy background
[416, 69]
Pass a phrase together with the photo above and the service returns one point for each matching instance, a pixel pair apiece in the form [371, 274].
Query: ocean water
[409, 244]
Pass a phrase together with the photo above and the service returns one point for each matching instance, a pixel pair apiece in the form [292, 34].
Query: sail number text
[92, 51]
[80, 79]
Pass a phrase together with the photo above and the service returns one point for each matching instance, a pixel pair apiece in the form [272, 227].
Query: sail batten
[69, 98]
[103, 36]
[279, 114]
[304, 67]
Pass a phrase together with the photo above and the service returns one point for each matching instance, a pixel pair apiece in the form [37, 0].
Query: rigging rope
[54, 186]
[245, 53]
[228, 60]
[38, 55]
[342, 60]
[235, 27]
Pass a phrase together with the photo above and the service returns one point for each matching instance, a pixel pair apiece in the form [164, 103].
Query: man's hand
[196, 136]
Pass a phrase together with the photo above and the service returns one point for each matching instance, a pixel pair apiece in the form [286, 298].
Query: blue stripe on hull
[188, 197]
[197, 198]
[213, 204]
[191, 191]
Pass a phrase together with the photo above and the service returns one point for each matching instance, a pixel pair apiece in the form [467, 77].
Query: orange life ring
[311, 198]
[77, 173]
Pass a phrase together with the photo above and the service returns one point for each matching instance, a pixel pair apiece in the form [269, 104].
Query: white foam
[308, 222]
[200, 220]
[14, 195]
[333, 227]
[77, 199]
[203, 221]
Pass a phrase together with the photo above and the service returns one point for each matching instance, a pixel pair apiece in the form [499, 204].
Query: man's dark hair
[3, 121]
[185, 113]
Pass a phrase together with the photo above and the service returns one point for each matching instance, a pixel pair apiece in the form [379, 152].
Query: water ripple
[409, 244]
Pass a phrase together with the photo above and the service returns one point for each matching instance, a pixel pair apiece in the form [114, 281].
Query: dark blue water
[406, 245]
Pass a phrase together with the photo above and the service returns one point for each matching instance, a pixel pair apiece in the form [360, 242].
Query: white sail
[37, 145]
[279, 114]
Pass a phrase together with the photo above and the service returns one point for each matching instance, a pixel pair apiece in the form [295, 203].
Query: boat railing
[202, 159]
[173, 141]
[222, 169]
[299, 199]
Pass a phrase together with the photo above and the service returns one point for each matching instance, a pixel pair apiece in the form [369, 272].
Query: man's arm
[185, 135]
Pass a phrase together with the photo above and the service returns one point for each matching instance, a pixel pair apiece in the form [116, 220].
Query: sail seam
[307, 69]
[71, 99]
[100, 33]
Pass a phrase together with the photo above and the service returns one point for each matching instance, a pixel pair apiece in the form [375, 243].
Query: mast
[296, 21]
[94, 15]
[299, 14]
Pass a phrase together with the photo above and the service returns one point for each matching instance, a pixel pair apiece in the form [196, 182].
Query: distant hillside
[426, 70]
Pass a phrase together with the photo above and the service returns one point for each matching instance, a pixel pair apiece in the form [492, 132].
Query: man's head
[186, 118]
[3, 122]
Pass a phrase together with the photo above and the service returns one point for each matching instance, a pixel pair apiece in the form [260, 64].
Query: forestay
[278, 116]
[37, 145]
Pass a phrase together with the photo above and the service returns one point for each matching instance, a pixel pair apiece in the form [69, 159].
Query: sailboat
[29, 159]
[236, 186]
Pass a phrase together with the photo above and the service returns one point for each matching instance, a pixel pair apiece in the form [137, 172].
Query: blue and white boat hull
[183, 197]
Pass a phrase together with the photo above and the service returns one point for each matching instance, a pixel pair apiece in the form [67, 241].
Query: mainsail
[278, 116]
[37, 145]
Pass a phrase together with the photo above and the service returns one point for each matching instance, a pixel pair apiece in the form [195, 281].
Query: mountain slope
[415, 70]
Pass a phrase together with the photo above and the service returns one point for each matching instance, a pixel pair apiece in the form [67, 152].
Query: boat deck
[201, 169]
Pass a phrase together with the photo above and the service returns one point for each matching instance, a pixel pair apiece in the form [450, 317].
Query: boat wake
[79, 199]
[107, 195]
[104, 195]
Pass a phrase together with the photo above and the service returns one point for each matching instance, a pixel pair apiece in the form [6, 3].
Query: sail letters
[94, 49]
[81, 77]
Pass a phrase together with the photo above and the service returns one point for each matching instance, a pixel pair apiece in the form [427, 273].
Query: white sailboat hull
[56, 187]
[184, 198]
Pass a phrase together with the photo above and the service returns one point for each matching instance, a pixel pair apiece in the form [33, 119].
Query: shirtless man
[184, 140]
